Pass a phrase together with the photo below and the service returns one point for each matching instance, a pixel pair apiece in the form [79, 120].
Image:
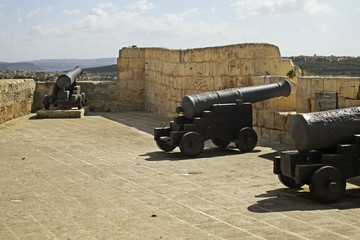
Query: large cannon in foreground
[223, 116]
[328, 152]
[66, 92]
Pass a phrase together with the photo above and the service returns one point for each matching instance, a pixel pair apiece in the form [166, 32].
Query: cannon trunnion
[66, 92]
[326, 166]
[223, 116]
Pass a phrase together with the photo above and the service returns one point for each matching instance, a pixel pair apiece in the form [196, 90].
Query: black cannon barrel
[67, 79]
[320, 130]
[193, 105]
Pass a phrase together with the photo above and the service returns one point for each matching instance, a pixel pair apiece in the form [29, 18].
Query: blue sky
[40, 29]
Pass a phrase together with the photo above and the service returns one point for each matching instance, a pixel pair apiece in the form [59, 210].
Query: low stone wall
[16, 97]
[347, 89]
[41, 89]
[101, 95]
[272, 118]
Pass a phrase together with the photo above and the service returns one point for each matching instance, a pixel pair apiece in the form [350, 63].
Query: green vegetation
[291, 73]
[328, 66]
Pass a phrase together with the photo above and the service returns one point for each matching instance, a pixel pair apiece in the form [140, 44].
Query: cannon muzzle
[67, 79]
[193, 105]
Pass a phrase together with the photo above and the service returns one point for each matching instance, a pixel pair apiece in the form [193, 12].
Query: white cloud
[3, 37]
[313, 7]
[49, 9]
[71, 12]
[141, 5]
[140, 28]
[322, 28]
[109, 5]
[189, 12]
[31, 14]
[247, 8]
[44, 30]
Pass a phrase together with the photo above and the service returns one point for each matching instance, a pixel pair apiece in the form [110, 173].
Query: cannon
[223, 116]
[66, 92]
[328, 153]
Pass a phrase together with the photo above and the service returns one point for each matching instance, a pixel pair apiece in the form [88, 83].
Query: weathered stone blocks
[16, 98]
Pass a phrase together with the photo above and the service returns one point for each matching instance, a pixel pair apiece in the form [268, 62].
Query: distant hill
[25, 66]
[111, 69]
[56, 64]
[328, 65]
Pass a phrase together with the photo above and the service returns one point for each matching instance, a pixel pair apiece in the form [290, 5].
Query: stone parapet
[171, 74]
[347, 89]
[16, 97]
[101, 96]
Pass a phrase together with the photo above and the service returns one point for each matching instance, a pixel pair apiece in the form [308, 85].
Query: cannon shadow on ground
[210, 151]
[286, 199]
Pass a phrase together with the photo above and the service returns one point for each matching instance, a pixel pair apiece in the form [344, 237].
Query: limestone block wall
[131, 78]
[16, 97]
[272, 118]
[157, 78]
[42, 88]
[347, 88]
[171, 74]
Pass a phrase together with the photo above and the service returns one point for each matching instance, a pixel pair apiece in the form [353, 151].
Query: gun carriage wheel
[191, 144]
[327, 184]
[220, 143]
[246, 140]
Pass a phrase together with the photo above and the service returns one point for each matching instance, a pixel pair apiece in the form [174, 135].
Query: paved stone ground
[103, 177]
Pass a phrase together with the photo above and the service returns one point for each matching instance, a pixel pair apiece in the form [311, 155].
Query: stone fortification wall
[16, 97]
[131, 77]
[157, 78]
[171, 74]
[347, 89]
[272, 118]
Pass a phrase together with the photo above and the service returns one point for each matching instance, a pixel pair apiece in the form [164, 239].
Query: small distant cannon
[223, 116]
[66, 92]
[328, 153]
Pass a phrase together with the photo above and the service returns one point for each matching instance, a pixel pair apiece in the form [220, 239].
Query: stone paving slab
[63, 113]
[103, 177]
